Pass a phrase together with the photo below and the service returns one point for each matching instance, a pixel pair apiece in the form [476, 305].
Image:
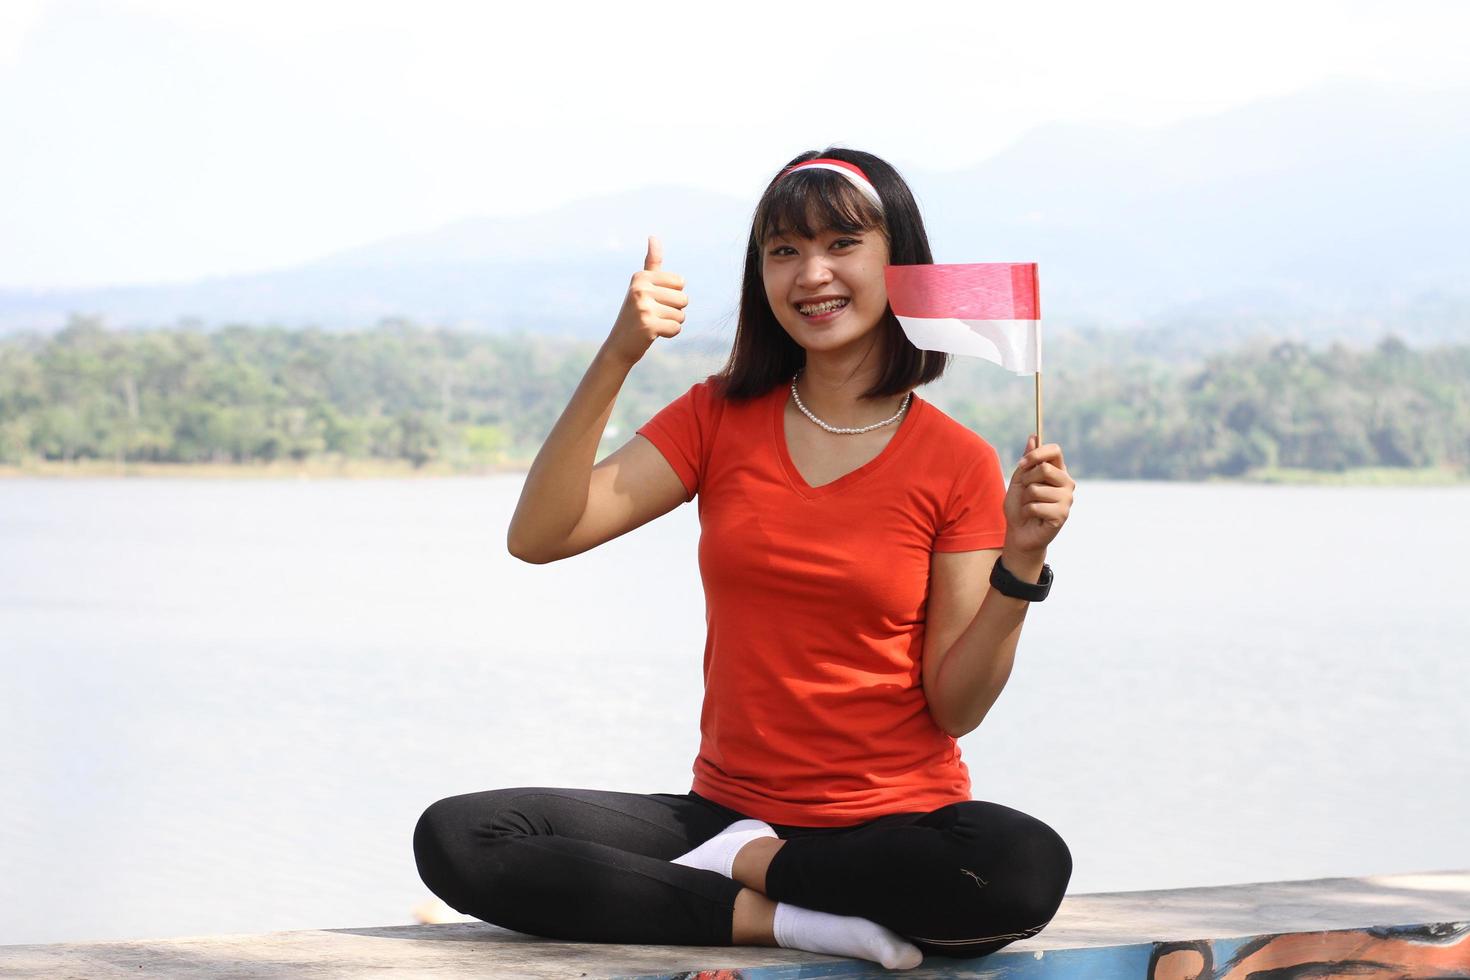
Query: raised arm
[567, 504]
[972, 630]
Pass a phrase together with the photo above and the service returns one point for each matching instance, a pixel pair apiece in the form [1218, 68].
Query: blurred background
[291, 293]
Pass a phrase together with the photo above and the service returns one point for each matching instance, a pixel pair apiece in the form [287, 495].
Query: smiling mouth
[817, 309]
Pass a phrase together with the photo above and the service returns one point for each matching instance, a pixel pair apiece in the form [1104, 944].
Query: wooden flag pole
[1039, 439]
[1038, 408]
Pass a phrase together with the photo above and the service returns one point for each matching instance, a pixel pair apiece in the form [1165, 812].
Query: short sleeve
[681, 431]
[974, 515]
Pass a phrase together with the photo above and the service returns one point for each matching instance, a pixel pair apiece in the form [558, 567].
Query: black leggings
[594, 866]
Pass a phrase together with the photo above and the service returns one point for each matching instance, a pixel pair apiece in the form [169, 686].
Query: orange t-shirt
[814, 714]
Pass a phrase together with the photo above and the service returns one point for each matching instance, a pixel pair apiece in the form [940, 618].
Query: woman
[849, 530]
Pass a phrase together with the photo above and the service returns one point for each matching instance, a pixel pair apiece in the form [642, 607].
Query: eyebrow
[790, 235]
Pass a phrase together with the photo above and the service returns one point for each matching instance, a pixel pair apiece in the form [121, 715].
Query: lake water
[226, 703]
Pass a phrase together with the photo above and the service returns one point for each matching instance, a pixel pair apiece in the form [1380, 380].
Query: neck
[831, 385]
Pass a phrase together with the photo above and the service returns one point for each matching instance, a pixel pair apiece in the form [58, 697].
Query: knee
[438, 825]
[435, 837]
[449, 845]
[1013, 872]
[1041, 865]
[1029, 867]
[1029, 863]
[457, 840]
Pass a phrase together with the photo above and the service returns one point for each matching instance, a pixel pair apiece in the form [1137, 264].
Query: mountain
[1343, 199]
[1338, 211]
[560, 271]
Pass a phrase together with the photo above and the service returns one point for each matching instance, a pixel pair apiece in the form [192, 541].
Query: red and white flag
[986, 309]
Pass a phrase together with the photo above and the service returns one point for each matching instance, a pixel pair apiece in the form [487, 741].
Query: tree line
[464, 400]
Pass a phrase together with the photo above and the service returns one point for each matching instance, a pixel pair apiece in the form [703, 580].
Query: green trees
[1262, 407]
[459, 400]
[1341, 408]
[243, 394]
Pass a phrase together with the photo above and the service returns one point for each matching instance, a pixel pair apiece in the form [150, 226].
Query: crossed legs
[963, 880]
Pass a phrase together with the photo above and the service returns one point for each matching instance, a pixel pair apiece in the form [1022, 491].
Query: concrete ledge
[1405, 925]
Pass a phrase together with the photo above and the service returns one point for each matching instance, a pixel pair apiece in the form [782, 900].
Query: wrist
[1024, 565]
[608, 355]
[1016, 586]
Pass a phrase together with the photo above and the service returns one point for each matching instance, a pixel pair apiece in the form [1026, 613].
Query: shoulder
[969, 483]
[708, 397]
[702, 397]
[716, 387]
[952, 435]
[709, 390]
[697, 411]
[958, 460]
[711, 398]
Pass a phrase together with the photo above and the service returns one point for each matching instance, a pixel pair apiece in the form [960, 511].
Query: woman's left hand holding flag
[1037, 503]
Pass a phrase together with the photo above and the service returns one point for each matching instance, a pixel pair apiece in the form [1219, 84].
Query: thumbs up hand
[653, 308]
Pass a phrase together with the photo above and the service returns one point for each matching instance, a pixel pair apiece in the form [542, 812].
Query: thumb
[655, 257]
[1030, 445]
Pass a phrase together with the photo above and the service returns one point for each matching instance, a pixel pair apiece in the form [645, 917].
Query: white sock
[718, 853]
[843, 935]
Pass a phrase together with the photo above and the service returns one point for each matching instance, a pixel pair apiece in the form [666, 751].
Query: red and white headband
[849, 170]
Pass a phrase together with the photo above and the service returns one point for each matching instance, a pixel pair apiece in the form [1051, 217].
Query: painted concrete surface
[1389, 926]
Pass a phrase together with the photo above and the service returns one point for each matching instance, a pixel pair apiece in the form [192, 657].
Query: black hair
[808, 203]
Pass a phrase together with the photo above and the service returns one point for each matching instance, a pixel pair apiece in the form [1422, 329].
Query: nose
[813, 272]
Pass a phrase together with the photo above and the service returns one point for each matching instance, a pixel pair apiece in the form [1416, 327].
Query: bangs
[810, 202]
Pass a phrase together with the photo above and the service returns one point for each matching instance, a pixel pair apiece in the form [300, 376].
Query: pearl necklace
[846, 432]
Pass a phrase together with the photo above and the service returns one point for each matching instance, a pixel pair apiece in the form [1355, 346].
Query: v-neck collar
[798, 482]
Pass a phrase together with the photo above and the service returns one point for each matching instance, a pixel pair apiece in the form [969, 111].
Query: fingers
[1043, 473]
[653, 307]
[1053, 514]
[1046, 503]
[668, 280]
[1043, 466]
[658, 294]
[670, 297]
[1049, 453]
[1040, 496]
[661, 302]
[1046, 493]
[654, 303]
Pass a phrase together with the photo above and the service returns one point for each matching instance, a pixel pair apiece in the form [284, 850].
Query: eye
[846, 242]
[782, 250]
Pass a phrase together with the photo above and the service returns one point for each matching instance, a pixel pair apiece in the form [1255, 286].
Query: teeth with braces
[820, 308]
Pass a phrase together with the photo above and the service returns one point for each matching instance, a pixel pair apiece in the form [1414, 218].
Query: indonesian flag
[985, 309]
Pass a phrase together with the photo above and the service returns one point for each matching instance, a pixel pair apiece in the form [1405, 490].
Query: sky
[168, 140]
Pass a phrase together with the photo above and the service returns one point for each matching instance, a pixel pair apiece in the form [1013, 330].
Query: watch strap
[1002, 581]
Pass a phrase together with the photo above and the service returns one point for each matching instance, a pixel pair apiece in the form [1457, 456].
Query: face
[827, 292]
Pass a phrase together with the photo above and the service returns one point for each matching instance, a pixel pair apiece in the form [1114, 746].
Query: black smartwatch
[1002, 581]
